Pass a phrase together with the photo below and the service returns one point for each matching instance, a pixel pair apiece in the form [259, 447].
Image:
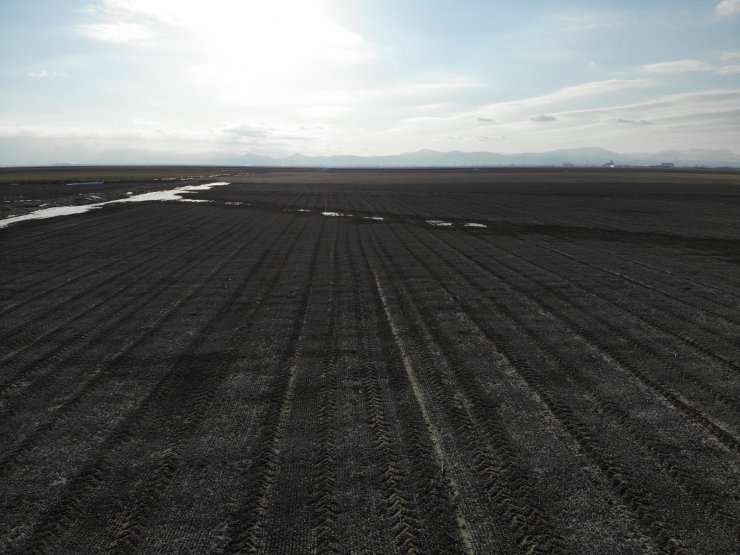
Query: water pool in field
[169, 195]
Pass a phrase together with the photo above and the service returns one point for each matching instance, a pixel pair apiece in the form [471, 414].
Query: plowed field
[378, 362]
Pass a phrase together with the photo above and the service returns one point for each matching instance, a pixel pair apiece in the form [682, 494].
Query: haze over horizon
[87, 81]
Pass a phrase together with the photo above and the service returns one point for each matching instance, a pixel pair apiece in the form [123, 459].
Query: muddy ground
[451, 361]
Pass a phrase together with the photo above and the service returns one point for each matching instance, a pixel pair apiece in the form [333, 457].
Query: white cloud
[158, 136]
[45, 74]
[686, 67]
[264, 35]
[241, 54]
[120, 32]
[544, 118]
[633, 121]
[596, 88]
[705, 105]
[514, 118]
[727, 8]
[728, 70]
[518, 110]
[679, 67]
[729, 55]
[709, 118]
[583, 21]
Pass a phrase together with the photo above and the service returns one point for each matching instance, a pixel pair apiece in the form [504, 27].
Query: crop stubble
[249, 375]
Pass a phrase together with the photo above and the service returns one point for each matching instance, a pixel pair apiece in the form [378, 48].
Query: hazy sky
[88, 80]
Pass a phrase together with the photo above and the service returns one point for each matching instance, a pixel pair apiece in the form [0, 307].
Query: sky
[106, 81]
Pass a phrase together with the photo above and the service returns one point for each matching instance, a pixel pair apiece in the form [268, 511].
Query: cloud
[634, 121]
[686, 67]
[119, 32]
[270, 57]
[679, 67]
[263, 134]
[729, 55]
[514, 118]
[727, 70]
[569, 22]
[485, 120]
[596, 88]
[709, 108]
[154, 135]
[437, 85]
[293, 34]
[249, 132]
[727, 8]
[476, 138]
[45, 74]
[567, 94]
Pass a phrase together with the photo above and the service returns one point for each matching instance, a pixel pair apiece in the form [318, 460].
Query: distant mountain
[433, 158]
[422, 158]
[694, 157]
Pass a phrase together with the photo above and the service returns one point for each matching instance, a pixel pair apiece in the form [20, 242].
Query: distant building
[667, 165]
[609, 164]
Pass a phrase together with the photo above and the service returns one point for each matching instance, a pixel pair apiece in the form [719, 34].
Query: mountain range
[432, 158]
[424, 158]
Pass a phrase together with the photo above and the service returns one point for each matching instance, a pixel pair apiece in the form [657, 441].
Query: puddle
[473, 224]
[376, 218]
[173, 194]
[335, 214]
[439, 223]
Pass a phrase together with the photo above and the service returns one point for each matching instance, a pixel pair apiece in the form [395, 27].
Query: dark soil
[251, 375]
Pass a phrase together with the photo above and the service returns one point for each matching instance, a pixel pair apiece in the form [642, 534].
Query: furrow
[725, 319]
[438, 505]
[709, 333]
[74, 252]
[102, 369]
[654, 522]
[245, 527]
[83, 252]
[648, 349]
[96, 332]
[487, 441]
[324, 514]
[183, 388]
[28, 335]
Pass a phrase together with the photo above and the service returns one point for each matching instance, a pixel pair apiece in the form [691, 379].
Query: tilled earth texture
[493, 361]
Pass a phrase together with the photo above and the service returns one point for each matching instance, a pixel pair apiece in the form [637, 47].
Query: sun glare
[265, 37]
[258, 51]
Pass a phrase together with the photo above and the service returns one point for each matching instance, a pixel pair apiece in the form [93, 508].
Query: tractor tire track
[651, 349]
[97, 332]
[176, 386]
[245, 526]
[100, 371]
[656, 524]
[438, 504]
[21, 334]
[509, 494]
